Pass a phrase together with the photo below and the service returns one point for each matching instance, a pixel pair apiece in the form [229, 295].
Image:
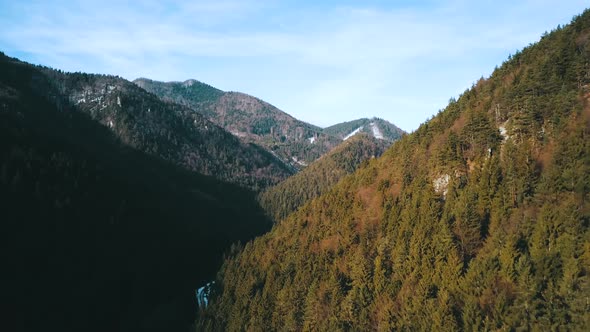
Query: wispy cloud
[320, 63]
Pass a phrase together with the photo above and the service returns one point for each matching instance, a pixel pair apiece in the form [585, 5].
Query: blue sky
[321, 61]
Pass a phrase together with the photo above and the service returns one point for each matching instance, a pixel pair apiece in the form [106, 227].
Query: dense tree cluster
[479, 220]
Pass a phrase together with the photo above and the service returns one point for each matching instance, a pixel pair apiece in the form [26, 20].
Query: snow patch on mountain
[354, 132]
[311, 139]
[300, 162]
[376, 131]
[188, 83]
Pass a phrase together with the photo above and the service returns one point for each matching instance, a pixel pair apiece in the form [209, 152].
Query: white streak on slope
[354, 132]
[376, 131]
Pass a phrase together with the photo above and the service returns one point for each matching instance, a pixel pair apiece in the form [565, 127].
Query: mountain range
[168, 126]
[295, 142]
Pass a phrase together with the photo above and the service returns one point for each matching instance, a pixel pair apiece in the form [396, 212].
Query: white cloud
[346, 37]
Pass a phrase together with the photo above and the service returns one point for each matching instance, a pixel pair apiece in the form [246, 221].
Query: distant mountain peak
[376, 127]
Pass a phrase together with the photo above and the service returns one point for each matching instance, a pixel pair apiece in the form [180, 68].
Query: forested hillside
[162, 129]
[96, 235]
[479, 220]
[286, 197]
[297, 143]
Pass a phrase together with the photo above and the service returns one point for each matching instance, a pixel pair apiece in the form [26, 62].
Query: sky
[323, 62]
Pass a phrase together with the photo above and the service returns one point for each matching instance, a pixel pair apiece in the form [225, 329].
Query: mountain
[297, 143]
[165, 130]
[478, 220]
[286, 197]
[375, 127]
[97, 235]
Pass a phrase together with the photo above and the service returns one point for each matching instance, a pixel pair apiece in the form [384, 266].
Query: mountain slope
[297, 143]
[375, 127]
[97, 236]
[165, 130]
[285, 197]
[479, 220]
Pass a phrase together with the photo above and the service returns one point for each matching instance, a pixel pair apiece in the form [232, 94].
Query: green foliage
[479, 220]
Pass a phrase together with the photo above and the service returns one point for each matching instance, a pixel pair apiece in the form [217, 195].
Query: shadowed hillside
[96, 235]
